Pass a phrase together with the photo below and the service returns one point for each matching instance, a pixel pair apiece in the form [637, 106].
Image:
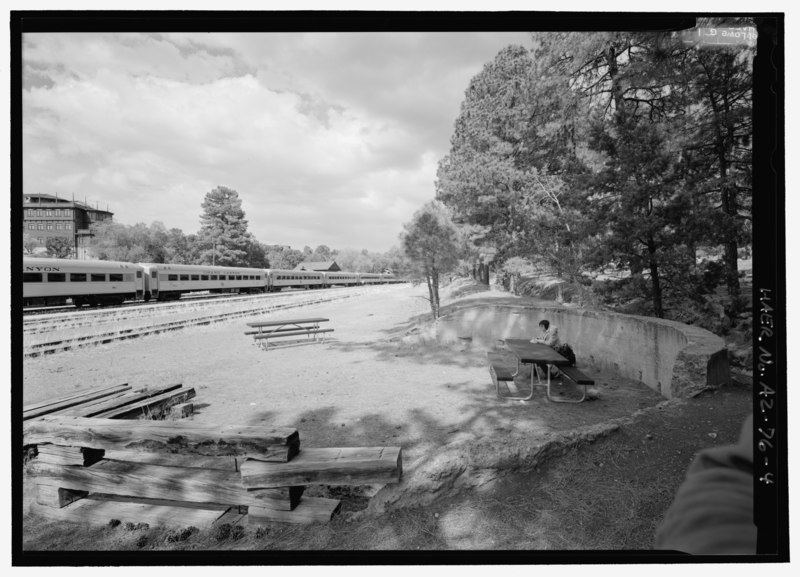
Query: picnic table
[272, 329]
[528, 353]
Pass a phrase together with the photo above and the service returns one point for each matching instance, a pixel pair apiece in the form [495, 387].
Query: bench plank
[276, 334]
[502, 365]
[576, 376]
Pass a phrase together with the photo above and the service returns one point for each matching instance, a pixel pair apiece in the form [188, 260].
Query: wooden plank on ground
[310, 510]
[334, 466]
[162, 436]
[99, 512]
[102, 405]
[60, 455]
[152, 407]
[131, 479]
[47, 407]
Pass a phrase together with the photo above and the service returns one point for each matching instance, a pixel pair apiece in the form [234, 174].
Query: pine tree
[223, 238]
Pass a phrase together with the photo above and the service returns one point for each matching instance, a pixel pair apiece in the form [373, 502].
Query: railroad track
[60, 335]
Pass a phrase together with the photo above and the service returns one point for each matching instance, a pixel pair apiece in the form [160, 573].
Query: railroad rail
[62, 332]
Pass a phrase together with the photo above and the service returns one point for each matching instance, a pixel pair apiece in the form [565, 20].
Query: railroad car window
[114, 277]
[184, 277]
[31, 277]
[97, 277]
[172, 277]
[56, 277]
[77, 277]
[128, 277]
[213, 277]
[195, 277]
[138, 274]
[238, 277]
[203, 277]
[154, 275]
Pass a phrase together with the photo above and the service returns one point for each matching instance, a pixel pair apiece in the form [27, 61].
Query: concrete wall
[673, 359]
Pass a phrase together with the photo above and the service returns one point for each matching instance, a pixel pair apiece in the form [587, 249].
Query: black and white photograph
[390, 288]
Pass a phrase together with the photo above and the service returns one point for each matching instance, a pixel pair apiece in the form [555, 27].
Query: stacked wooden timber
[182, 473]
[118, 402]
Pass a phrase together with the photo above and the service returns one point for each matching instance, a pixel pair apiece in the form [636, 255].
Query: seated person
[549, 337]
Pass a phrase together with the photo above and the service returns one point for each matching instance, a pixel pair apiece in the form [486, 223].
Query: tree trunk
[731, 244]
[658, 306]
[434, 284]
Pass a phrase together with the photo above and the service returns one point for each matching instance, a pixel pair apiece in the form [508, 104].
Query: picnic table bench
[503, 367]
[267, 330]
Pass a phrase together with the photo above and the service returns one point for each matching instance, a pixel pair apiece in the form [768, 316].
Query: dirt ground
[365, 385]
[373, 384]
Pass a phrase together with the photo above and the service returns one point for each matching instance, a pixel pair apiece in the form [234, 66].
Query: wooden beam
[336, 466]
[97, 407]
[181, 411]
[60, 455]
[150, 407]
[54, 497]
[47, 407]
[100, 512]
[130, 479]
[310, 510]
[109, 434]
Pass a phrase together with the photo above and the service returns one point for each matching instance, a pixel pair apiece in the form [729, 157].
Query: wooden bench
[266, 330]
[577, 377]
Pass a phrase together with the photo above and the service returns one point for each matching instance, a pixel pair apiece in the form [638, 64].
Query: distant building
[45, 215]
[326, 266]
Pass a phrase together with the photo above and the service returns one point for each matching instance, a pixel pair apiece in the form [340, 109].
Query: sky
[329, 138]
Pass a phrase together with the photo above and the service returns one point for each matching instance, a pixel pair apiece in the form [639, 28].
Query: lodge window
[49, 226]
[67, 226]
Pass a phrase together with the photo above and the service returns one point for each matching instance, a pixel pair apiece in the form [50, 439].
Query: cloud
[328, 138]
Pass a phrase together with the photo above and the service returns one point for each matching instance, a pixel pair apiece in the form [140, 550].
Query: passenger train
[48, 281]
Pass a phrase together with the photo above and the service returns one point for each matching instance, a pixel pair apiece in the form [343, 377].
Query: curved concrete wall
[674, 359]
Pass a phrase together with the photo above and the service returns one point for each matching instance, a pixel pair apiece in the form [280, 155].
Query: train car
[280, 279]
[369, 278]
[340, 278]
[169, 281]
[54, 281]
